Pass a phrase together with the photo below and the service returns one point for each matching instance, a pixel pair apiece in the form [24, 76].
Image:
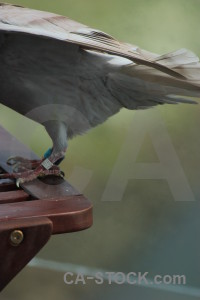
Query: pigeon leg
[45, 168]
[21, 164]
[49, 164]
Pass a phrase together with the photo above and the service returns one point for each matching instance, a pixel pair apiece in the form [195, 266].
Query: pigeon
[70, 78]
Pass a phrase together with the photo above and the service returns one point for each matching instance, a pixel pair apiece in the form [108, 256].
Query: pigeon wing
[24, 20]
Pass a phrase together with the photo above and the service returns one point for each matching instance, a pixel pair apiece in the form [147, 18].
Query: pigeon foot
[21, 164]
[45, 168]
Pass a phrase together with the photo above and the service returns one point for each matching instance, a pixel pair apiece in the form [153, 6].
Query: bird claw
[20, 164]
[18, 182]
[25, 170]
[62, 174]
[12, 160]
[18, 167]
[42, 174]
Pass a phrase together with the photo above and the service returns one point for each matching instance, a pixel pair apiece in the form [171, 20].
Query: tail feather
[178, 58]
[141, 86]
[183, 61]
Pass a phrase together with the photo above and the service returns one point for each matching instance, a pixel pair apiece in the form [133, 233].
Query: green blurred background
[147, 230]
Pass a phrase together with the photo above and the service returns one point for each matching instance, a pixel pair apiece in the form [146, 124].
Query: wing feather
[19, 19]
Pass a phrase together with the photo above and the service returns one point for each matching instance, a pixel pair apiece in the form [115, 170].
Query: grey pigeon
[70, 78]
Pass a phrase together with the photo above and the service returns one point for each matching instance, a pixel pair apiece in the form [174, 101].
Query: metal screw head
[16, 237]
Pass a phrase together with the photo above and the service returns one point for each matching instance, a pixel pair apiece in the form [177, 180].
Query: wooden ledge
[51, 197]
[30, 215]
[67, 214]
